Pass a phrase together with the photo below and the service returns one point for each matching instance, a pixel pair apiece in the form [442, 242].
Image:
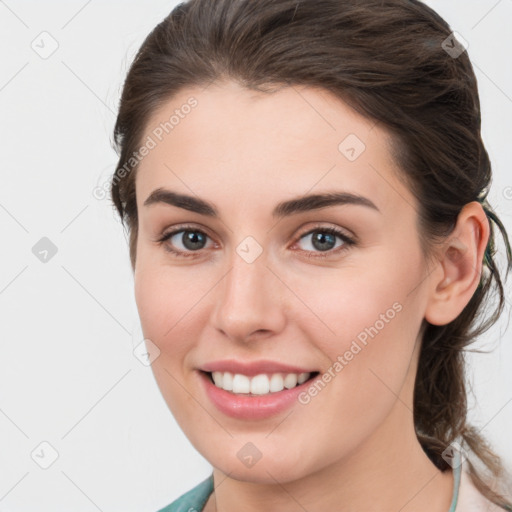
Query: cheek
[152, 302]
[162, 314]
[166, 307]
[367, 359]
[345, 305]
[365, 321]
[166, 298]
[173, 306]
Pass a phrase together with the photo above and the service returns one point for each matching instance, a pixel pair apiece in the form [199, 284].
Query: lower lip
[251, 407]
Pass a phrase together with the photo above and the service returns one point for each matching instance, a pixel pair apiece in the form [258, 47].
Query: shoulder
[470, 499]
[193, 500]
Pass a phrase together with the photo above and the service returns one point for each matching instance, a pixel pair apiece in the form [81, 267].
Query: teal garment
[456, 480]
[195, 499]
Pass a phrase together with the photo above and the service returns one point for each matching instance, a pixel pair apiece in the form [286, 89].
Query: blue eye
[193, 241]
[324, 241]
[189, 238]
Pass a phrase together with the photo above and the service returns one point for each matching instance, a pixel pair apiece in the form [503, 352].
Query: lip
[253, 368]
[251, 407]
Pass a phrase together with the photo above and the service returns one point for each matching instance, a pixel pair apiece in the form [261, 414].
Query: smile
[261, 384]
[257, 397]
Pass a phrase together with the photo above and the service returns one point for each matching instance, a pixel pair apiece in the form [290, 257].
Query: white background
[68, 327]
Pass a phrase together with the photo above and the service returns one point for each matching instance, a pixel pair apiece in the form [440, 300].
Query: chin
[267, 470]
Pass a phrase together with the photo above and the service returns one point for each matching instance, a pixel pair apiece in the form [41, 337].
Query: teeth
[261, 384]
[303, 377]
[241, 383]
[227, 381]
[290, 381]
[276, 382]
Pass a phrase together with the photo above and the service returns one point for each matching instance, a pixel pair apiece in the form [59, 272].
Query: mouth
[257, 385]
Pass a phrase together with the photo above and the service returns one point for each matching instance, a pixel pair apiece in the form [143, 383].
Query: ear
[460, 261]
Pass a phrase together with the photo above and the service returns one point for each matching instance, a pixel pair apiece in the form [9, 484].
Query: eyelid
[183, 227]
[342, 232]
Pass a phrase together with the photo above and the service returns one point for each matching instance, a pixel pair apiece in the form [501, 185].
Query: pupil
[190, 239]
[320, 239]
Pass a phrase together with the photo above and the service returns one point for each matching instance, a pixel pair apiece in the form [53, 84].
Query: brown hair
[387, 59]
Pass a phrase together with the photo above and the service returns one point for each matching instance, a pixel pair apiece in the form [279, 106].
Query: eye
[184, 242]
[323, 240]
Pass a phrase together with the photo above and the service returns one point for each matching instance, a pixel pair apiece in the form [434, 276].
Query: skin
[353, 447]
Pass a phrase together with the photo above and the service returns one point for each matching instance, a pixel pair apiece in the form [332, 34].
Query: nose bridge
[248, 300]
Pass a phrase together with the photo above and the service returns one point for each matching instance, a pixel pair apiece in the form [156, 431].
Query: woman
[305, 187]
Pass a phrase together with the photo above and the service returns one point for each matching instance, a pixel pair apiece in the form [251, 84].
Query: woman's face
[263, 286]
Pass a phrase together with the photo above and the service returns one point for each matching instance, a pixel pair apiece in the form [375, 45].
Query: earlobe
[460, 266]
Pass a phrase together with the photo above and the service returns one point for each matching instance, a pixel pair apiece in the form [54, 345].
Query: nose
[250, 303]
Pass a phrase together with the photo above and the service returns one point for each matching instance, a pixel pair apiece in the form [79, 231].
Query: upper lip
[251, 368]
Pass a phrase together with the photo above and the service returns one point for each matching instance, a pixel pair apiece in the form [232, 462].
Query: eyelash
[347, 241]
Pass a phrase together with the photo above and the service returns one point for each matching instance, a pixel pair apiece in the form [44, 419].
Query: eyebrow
[283, 209]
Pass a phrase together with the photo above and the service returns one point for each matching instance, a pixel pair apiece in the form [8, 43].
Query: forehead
[226, 138]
